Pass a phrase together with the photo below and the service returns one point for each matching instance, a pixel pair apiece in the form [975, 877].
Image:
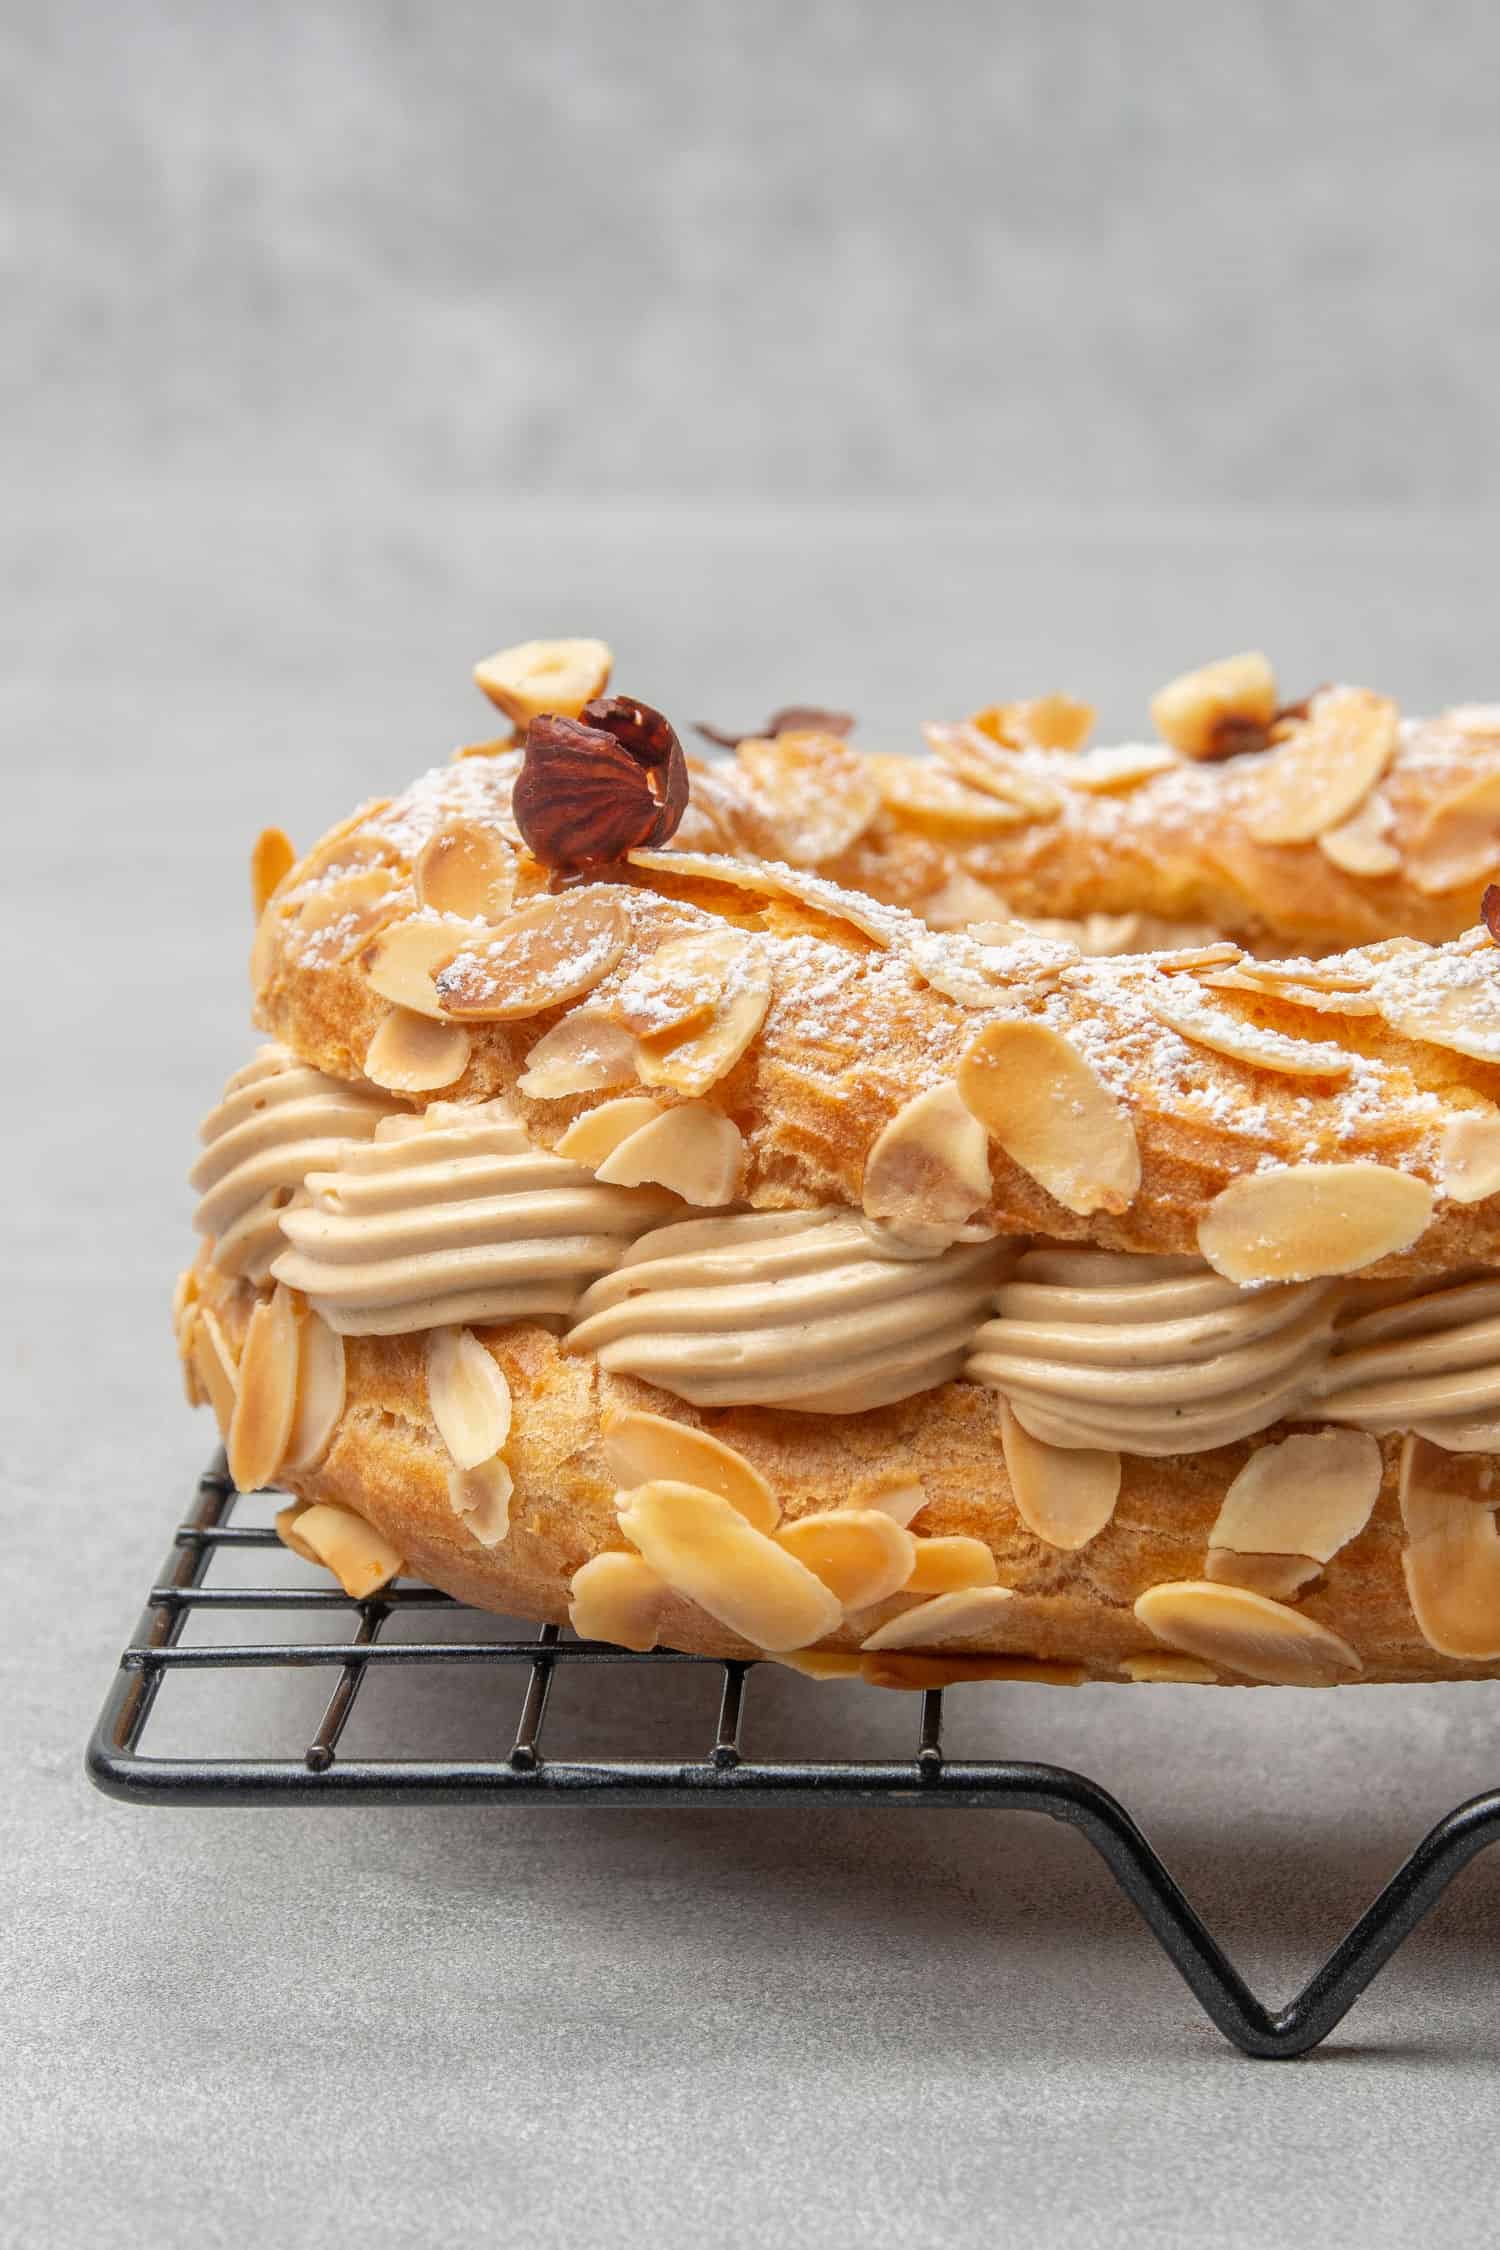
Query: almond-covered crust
[1151, 1086]
[937, 1465]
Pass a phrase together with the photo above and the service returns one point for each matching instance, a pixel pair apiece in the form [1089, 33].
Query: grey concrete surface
[1089, 254]
[392, 2028]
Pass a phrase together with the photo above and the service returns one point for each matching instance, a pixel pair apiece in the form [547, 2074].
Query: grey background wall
[1046, 252]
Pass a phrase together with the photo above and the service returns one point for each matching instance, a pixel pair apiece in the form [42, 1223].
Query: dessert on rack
[641, 1216]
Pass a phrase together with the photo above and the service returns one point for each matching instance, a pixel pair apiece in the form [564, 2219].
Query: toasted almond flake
[933, 802]
[930, 1165]
[822, 1663]
[343, 914]
[1449, 1000]
[402, 960]
[1169, 1670]
[1308, 996]
[1113, 768]
[817, 793]
[912, 1672]
[1053, 1115]
[974, 969]
[1325, 769]
[1181, 1007]
[480, 1497]
[677, 990]
[1217, 708]
[618, 1598]
[859, 1554]
[1065, 1497]
[554, 950]
[537, 676]
[187, 1347]
[584, 1053]
[273, 856]
[286, 1529]
[1306, 1220]
[694, 1150]
[1282, 1577]
[1248, 1633]
[1361, 844]
[467, 871]
[1452, 1557]
[885, 926]
[266, 1392]
[1039, 722]
[360, 1559]
[409, 1054]
[960, 901]
[320, 1392]
[706, 1551]
[213, 1363]
[896, 1495]
[960, 1616]
[468, 1396]
[693, 1065]
[1459, 841]
[980, 764]
[1304, 1495]
[1322, 976]
[644, 1448]
[598, 1132]
[1469, 1155]
[949, 1565]
[1194, 957]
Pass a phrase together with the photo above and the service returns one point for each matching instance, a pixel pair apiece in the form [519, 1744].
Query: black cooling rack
[315, 1771]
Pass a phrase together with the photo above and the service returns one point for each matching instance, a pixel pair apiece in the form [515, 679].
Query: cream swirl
[812, 1310]
[275, 1121]
[1150, 1355]
[1429, 1363]
[453, 1215]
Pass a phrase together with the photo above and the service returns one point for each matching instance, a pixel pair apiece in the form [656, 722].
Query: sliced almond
[1308, 996]
[1239, 1631]
[1176, 1671]
[677, 990]
[1179, 1004]
[1469, 1155]
[1053, 1115]
[1361, 844]
[617, 1598]
[1282, 1577]
[320, 1392]
[913, 1672]
[1113, 768]
[537, 676]
[468, 1396]
[466, 871]
[816, 792]
[930, 1165]
[1452, 1557]
[409, 1054]
[187, 1348]
[1326, 768]
[286, 1529]
[401, 962]
[1064, 1497]
[947, 1617]
[694, 1150]
[646, 1448]
[594, 1136]
[1040, 722]
[213, 1363]
[860, 1554]
[898, 1496]
[822, 1663]
[343, 913]
[553, 950]
[1459, 841]
[1218, 708]
[1306, 1220]
[994, 771]
[1447, 997]
[950, 1565]
[1304, 1495]
[273, 856]
[266, 1392]
[706, 1551]
[885, 926]
[961, 901]
[691, 1066]
[584, 1053]
[360, 1559]
[1322, 976]
[481, 1497]
[931, 800]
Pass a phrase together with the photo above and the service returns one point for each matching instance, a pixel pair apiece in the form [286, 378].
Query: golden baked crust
[387, 1463]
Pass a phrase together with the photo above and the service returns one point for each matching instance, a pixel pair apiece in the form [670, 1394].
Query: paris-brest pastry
[744, 1208]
